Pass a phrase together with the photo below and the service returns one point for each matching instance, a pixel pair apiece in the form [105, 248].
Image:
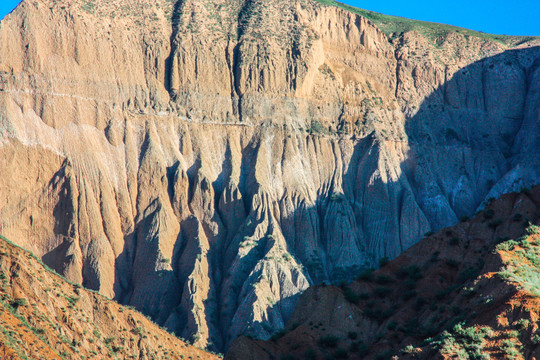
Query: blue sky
[511, 17]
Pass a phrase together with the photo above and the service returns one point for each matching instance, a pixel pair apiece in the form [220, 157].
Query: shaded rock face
[206, 161]
[468, 291]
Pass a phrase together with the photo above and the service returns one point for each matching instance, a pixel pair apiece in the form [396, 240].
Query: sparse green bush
[358, 347]
[488, 214]
[351, 295]
[366, 275]
[328, 341]
[533, 229]
[511, 349]
[18, 302]
[409, 349]
[278, 335]
[289, 357]
[341, 354]
[317, 128]
[310, 354]
[517, 217]
[381, 291]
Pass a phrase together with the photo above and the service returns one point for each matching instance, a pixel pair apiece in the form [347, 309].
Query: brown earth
[42, 316]
[207, 161]
[452, 278]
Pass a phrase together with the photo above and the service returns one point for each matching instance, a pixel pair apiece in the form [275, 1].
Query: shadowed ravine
[209, 180]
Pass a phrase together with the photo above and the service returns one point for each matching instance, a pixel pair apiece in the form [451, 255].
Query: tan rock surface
[188, 157]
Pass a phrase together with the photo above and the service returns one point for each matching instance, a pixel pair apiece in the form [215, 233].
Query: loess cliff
[471, 291]
[207, 161]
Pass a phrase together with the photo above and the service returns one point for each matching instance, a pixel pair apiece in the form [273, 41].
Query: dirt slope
[42, 316]
[471, 291]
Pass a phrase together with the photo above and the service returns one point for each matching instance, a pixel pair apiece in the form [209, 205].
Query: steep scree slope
[206, 161]
[471, 291]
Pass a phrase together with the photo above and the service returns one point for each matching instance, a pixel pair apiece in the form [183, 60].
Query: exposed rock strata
[469, 291]
[205, 161]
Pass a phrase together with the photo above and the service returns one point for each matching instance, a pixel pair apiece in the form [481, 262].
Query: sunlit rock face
[206, 161]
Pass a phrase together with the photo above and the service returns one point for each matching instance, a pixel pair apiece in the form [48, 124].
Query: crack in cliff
[169, 61]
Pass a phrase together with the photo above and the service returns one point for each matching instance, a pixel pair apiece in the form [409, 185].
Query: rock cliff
[206, 161]
[470, 291]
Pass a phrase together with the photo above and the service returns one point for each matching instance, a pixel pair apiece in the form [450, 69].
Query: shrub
[384, 280]
[366, 275]
[409, 294]
[278, 335]
[328, 341]
[341, 354]
[317, 128]
[412, 271]
[310, 354]
[523, 324]
[495, 223]
[382, 291]
[358, 347]
[352, 335]
[517, 217]
[507, 245]
[488, 214]
[419, 304]
[533, 229]
[409, 349]
[337, 197]
[510, 348]
[18, 302]
[289, 357]
[351, 295]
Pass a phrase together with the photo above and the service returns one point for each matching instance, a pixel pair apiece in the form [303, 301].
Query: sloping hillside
[471, 291]
[42, 316]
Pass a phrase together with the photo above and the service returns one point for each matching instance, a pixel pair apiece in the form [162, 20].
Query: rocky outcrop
[469, 291]
[206, 161]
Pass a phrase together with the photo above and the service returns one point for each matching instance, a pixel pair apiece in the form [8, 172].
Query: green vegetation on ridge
[523, 266]
[394, 25]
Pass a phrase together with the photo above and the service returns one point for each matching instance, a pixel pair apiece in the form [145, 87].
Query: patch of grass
[89, 6]
[463, 342]
[391, 25]
[523, 265]
[317, 128]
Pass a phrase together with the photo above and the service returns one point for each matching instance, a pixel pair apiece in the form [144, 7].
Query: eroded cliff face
[468, 291]
[206, 161]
